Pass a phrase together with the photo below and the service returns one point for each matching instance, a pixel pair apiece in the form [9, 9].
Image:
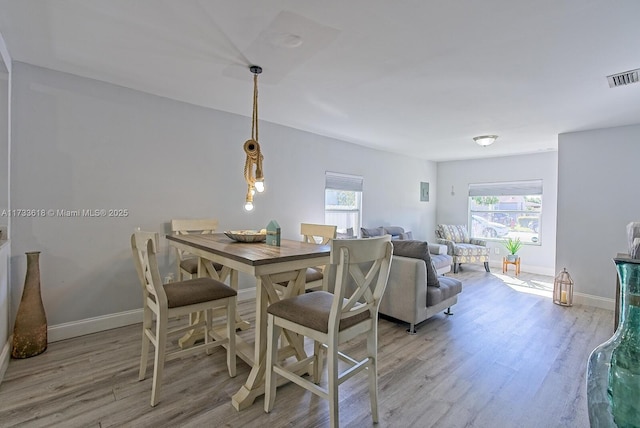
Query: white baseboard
[107, 322]
[578, 298]
[93, 325]
[538, 270]
[596, 301]
[5, 356]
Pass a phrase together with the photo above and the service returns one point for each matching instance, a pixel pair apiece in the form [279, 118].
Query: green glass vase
[613, 373]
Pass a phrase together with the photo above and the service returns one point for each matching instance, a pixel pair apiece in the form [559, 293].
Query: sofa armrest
[476, 241]
[450, 245]
[437, 249]
[405, 297]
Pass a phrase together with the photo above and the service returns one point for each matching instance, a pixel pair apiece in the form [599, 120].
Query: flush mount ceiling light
[253, 164]
[485, 140]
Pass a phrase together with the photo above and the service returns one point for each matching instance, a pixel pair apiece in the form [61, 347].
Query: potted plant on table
[512, 245]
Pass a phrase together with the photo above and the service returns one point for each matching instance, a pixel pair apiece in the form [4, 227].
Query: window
[343, 203]
[498, 211]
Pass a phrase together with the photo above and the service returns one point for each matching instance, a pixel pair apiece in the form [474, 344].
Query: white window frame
[336, 181]
[523, 220]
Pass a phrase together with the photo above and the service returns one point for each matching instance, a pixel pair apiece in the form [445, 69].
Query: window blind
[529, 187]
[338, 181]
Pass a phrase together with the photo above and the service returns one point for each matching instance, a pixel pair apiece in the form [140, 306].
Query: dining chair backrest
[144, 247]
[186, 226]
[361, 272]
[317, 233]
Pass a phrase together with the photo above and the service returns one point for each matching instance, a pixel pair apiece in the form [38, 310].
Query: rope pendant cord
[254, 119]
[252, 147]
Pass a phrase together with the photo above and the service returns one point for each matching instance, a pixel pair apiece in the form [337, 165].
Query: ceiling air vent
[622, 79]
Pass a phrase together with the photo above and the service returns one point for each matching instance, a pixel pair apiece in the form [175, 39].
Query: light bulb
[248, 206]
[259, 185]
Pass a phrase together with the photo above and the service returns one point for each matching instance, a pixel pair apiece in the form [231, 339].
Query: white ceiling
[418, 77]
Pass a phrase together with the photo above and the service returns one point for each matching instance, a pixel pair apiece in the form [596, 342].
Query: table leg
[266, 294]
[206, 269]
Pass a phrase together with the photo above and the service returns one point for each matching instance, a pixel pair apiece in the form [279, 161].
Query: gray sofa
[396, 232]
[415, 292]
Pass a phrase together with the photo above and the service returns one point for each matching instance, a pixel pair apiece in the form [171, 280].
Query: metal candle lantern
[563, 289]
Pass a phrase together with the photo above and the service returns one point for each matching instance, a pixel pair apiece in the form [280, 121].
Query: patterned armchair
[461, 247]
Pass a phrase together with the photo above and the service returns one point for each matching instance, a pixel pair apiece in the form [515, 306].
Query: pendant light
[253, 164]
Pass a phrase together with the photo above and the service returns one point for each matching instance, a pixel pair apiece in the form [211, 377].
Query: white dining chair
[316, 234]
[187, 264]
[361, 268]
[172, 300]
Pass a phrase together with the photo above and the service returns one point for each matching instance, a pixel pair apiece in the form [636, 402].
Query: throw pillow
[369, 233]
[394, 230]
[348, 234]
[406, 236]
[418, 250]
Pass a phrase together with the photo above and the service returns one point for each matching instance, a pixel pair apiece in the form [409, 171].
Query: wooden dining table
[271, 266]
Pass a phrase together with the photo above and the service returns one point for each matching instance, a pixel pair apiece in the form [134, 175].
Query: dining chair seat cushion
[313, 274]
[198, 290]
[191, 265]
[312, 310]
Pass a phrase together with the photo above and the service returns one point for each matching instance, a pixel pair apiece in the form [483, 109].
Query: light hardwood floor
[506, 358]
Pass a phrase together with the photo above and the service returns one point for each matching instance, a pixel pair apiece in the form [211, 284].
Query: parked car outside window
[486, 228]
[502, 218]
[529, 222]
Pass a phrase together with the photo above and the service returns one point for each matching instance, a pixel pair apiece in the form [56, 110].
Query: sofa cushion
[418, 250]
[369, 233]
[441, 262]
[471, 250]
[454, 232]
[449, 287]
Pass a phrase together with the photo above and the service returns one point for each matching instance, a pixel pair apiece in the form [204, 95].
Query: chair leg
[448, 311]
[144, 355]
[486, 266]
[332, 366]
[372, 348]
[455, 267]
[317, 362]
[158, 364]
[207, 313]
[273, 332]
[231, 334]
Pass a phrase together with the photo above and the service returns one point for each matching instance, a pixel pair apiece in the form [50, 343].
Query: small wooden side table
[506, 262]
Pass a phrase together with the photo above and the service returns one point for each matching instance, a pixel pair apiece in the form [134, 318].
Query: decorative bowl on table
[247, 235]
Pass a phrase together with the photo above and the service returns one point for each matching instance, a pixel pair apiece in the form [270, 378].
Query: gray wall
[83, 144]
[454, 208]
[597, 198]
